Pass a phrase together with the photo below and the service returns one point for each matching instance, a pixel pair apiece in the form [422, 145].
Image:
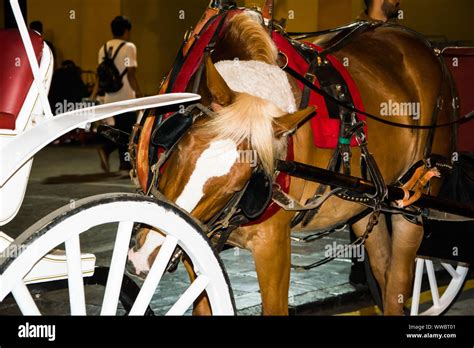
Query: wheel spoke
[189, 296]
[117, 269]
[75, 280]
[433, 283]
[25, 301]
[415, 302]
[450, 270]
[154, 276]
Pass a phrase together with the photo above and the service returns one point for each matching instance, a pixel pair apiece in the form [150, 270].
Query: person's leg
[125, 124]
[105, 149]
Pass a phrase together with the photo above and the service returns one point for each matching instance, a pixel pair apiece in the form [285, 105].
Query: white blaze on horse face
[139, 258]
[216, 161]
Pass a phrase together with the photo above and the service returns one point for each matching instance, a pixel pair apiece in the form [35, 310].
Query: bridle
[169, 133]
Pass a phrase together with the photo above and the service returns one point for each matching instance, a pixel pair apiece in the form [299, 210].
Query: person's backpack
[110, 79]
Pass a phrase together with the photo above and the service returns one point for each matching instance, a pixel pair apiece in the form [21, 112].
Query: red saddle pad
[325, 128]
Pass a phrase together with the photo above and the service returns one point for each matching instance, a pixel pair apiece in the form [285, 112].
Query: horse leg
[378, 247]
[406, 240]
[201, 306]
[139, 262]
[271, 249]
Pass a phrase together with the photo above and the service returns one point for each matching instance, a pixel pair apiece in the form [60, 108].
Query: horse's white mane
[259, 79]
[263, 94]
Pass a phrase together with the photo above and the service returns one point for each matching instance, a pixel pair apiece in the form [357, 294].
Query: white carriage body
[35, 129]
[32, 112]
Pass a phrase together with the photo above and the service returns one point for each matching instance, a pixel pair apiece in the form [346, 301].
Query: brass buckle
[188, 34]
[310, 77]
[286, 60]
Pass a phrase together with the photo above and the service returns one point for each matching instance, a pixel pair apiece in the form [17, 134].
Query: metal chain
[373, 221]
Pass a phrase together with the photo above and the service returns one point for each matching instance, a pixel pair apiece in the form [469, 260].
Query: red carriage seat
[460, 61]
[16, 77]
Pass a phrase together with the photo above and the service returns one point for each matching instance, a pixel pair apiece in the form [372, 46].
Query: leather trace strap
[346, 39]
[289, 203]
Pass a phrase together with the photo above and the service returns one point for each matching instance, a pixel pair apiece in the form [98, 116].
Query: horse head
[253, 111]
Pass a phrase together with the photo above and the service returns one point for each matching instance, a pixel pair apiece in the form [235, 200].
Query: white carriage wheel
[439, 304]
[66, 225]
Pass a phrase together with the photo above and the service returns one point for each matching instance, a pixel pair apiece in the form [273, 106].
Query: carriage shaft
[360, 186]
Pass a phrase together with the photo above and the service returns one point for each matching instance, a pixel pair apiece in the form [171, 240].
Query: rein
[464, 119]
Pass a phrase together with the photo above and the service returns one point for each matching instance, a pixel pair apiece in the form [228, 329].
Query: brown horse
[202, 174]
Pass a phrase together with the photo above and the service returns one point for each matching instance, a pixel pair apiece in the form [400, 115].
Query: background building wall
[77, 28]
[158, 30]
[334, 13]
[450, 18]
[159, 26]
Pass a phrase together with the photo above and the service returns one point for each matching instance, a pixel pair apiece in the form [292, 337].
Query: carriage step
[53, 266]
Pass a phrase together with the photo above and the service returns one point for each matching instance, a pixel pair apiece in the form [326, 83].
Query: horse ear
[289, 123]
[220, 91]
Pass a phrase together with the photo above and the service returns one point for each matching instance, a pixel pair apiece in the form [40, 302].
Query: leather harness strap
[311, 77]
[344, 41]
[332, 82]
[446, 78]
[207, 52]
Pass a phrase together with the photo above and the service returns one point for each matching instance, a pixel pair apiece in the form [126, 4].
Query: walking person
[117, 77]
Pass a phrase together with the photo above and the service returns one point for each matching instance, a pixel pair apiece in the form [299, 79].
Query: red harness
[195, 55]
[325, 129]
